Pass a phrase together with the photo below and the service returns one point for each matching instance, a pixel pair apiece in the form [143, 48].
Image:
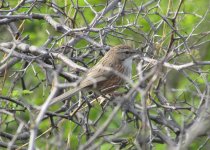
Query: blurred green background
[192, 22]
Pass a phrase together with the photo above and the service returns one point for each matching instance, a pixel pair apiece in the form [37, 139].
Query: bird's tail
[64, 96]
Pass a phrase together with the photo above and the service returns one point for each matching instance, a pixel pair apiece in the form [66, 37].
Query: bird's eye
[127, 52]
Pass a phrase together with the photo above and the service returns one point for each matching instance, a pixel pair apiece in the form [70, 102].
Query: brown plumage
[105, 75]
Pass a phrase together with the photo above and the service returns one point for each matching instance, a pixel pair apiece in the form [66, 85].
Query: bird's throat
[127, 63]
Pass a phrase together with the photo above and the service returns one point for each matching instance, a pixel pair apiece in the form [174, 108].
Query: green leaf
[27, 92]
[16, 93]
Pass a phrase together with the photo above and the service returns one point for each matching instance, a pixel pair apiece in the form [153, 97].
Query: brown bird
[106, 75]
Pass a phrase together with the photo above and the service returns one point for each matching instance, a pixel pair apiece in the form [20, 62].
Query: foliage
[47, 45]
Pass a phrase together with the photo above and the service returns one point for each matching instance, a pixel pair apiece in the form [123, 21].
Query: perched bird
[106, 75]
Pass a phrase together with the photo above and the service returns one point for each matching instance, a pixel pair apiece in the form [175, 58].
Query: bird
[106, 75]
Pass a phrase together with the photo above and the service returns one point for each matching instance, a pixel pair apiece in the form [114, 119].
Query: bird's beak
[136, 53]
[135, 56]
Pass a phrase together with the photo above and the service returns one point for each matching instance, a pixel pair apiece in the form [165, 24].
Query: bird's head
[124, 51]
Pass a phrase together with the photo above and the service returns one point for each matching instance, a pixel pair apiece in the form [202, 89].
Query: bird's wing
[98, 74]
[94, 76]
